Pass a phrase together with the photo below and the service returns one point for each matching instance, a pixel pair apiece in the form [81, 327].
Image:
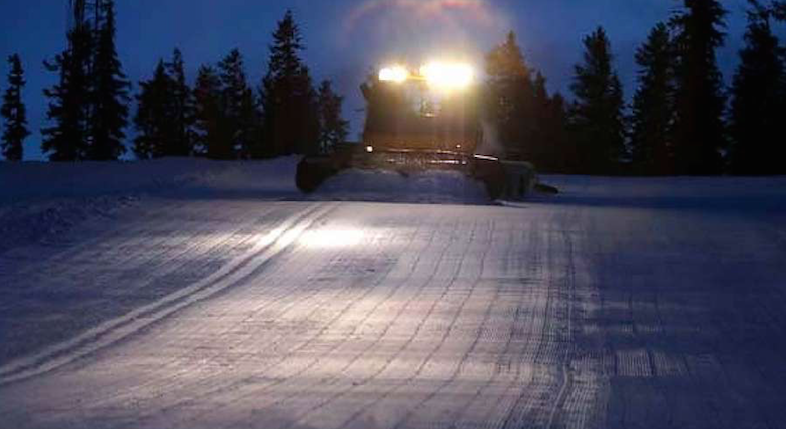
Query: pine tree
[779, 10]
[541, 150]
[165, 116]
[207, 114]
[14, 112]
[238, 107]
[699, 130]
[597, 115]
[653, 105]
[155, 116]
[333, 128]
[291, 120]
[510, 99]
[110, 103]
[564, 156]
[69, 107]
[758, 103]
[182, 105]
[549, 148]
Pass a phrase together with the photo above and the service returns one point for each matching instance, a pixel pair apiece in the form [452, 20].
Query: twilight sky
[345, 38]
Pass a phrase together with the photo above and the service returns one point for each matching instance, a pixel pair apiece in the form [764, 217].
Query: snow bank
[436, 187]
[40, 180]
[39, 200]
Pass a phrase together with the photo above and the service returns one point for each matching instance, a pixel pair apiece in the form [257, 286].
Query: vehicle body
[424, 120]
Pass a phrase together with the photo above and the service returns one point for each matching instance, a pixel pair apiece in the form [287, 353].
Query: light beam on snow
[332, 238]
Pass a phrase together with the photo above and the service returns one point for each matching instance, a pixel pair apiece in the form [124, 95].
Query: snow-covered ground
[190, 294]
[42, 200]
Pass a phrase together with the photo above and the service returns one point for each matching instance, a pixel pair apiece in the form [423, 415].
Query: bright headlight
[448, 75]
[397, 74]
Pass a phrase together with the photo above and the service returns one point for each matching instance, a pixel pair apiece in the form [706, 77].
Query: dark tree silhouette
[155, 118]
[333, 129]
[779, 10]
[14, 113]
[653, 105]
[182, 105]
[69, 107]
[563, 153]
[550, 149]
[88, 105]
[758, 100]
[207, 114]
[238, 118]
[597, 118]
[699, 131]
[110, 94]
[291, 120]
[529, 124]
[165, 115]
[510, 99]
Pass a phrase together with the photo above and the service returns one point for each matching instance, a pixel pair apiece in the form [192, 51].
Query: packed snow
[197, 294]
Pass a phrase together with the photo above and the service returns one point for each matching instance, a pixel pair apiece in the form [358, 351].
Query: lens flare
[412, 29]
[425, 9]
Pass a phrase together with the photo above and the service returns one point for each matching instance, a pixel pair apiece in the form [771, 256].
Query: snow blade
[502, 179]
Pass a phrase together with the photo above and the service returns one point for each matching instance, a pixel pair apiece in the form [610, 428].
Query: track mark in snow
[348, 291]
[410, 340]
[266, 374]
[567, 376]
[401, 283]
[115, 330]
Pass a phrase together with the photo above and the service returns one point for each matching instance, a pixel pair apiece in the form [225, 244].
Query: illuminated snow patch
[332, 238]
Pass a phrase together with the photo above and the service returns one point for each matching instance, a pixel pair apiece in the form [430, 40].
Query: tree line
[222, 116]
[682, 119]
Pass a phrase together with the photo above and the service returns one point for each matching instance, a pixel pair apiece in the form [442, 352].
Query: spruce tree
[510, 99]
[14, 113]
[564, 156]
[699, 130]
[165, 115]
[181, 102]
[542, 151]
[758, 100]
[597, 115]
[333, 128]
[779, 10]
[207, 114]
[110, 103]
[238, 107]
[653, 105]
[291, 120]
[155, 119]
[549, 148]
[69, 99]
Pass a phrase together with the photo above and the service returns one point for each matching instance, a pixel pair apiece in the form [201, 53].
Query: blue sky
[345, 38]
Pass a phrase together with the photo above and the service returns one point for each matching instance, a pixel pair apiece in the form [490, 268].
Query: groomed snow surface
[194, 294]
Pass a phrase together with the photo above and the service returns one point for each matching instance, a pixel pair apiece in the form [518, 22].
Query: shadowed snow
[437, 187]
